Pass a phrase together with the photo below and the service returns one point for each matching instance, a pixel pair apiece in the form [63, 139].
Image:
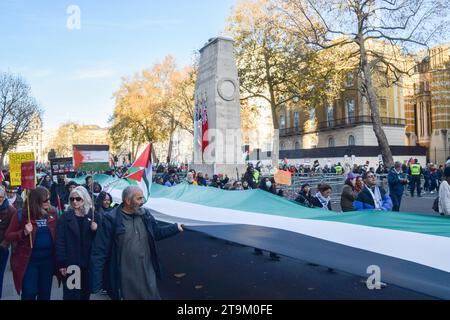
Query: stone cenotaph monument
[217, 125]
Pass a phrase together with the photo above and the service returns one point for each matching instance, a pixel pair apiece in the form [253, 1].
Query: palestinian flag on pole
[60, 209]
[140, 173]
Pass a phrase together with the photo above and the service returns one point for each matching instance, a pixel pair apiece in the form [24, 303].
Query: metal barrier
[335, 181]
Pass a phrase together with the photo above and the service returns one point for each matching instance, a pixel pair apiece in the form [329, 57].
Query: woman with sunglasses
[33, 267]
[75, 234]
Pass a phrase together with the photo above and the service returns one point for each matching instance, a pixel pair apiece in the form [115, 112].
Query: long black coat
[70, 250]
[58, 189]
[105, 249]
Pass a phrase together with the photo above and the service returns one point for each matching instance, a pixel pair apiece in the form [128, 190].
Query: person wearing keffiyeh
[322, 198]
[372, 197]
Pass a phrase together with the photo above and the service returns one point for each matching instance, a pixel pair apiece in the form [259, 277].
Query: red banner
[28, 172]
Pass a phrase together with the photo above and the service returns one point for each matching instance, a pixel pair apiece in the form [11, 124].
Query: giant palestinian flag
[412, 250]
[91, 157]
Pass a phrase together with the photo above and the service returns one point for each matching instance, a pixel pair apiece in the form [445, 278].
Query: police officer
[415, 171]
[339, 169]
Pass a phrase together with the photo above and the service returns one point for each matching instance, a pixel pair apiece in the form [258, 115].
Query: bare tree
[374, 33]
[275, 66]
[17, 110]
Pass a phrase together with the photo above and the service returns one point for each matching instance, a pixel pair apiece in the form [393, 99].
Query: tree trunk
[375, 110]
[173, 127]
[2, 160]
[273, 107]
[155, 158]
[276, 138]
[169, 152]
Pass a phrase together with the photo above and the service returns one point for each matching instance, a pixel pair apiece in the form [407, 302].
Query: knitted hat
[351, 176]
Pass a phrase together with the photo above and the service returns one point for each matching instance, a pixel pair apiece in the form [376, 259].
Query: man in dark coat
[372, 197]
[251, 177]
[396, 186]
[304, 196]
[58, 190]
[128, 238]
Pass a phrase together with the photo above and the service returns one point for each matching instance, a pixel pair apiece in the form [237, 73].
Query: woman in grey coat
[349, 194]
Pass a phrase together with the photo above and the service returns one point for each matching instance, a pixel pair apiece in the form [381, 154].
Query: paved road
[197, 266]
[419, 205]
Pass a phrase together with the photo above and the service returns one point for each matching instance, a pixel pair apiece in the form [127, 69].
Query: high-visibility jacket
[256, 176]
[415, 170]
[339, 170]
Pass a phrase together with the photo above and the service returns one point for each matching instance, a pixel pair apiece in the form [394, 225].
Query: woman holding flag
[33, 232]
[75, 233]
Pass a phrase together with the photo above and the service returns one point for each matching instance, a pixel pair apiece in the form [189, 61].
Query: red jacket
[21, 243]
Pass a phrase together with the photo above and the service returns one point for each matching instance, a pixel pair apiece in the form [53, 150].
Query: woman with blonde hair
[75, 234]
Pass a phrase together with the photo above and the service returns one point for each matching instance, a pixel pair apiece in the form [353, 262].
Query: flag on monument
[140, 173]
[197, 127]
[205, 140]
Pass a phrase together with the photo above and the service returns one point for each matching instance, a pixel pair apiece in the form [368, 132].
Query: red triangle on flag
[137, 176]
[77, 158]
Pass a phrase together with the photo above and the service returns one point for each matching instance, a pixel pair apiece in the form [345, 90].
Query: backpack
[436, 205]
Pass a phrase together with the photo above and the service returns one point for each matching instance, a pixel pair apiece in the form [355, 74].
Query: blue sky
[73, 73]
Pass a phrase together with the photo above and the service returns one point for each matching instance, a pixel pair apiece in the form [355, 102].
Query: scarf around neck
[324, 201]
[377, 200]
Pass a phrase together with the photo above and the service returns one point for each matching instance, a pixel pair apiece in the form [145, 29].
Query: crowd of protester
[72, 224]
[45, 241]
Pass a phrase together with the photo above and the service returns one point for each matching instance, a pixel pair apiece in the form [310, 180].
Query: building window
[282, 121]
[350, 107]
[312, 114]
[429, 120]
[297, 145]
[296, 119]
[282, 146]
[331, 143]
[330, 116]
[349, 80]
[351, 140]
